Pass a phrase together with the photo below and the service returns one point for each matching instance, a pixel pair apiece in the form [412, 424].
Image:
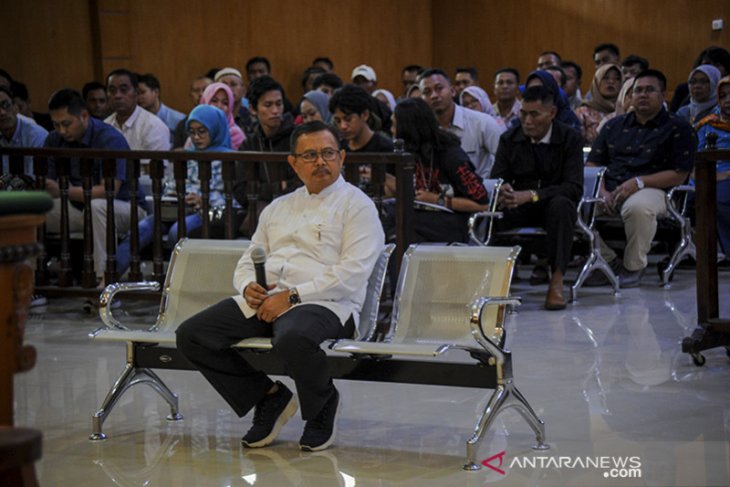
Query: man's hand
[194, 200]
[622, 193]
[427, 197]
[509, 198]
[273, 307]
[255, 294]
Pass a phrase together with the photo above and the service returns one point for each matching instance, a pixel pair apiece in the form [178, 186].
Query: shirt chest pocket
[326, 239]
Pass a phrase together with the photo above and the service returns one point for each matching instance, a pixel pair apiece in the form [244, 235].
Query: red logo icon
[499, 456]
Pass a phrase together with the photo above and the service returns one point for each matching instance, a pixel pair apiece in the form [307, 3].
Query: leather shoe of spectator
[555, 299]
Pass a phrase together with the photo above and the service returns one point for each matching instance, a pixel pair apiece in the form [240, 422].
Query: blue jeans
[146, 233]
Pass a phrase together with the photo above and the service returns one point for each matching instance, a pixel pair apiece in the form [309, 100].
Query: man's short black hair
[539, 93]
[310, 128]
[412, 67]
[607, 46]
[310, 71]
[150, 80]
[653, 73]
[260, 86]
[212, 72]
[716, 55]
[470, 70]
[92, 86]
[69, 99]
[258, 59]
[545, 53]
[351, 99]
[19, 90]
[561, 71]
[634, 59]
[7, 91]
[575, 66]
[428, 72]
[327, 79]
[124, 72]
[326, 60]
[508, 70]
[6, 75]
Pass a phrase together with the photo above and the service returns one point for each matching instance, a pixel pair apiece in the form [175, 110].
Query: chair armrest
[678, 213]
[110, 292]
[586, 226]
[477, 327]
[472, 224]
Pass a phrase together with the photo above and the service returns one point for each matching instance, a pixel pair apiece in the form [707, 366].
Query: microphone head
[258, 255]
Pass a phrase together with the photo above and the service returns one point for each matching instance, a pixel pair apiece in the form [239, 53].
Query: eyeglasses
[201, 132]
[645, 89]
[6, 104]
[311, 156]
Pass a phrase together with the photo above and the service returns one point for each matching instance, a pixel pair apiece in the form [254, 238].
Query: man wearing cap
[241, 114]
[364, 77]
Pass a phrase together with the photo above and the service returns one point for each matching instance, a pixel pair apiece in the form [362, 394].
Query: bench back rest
[437, 286]
[369, 314]
[199, 275]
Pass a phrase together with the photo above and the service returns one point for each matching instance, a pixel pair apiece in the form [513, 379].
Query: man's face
[547, 60]
[572, 82]
[8, 112]
[122, 94]
[536, 118]
[326, 89]
[408, 78]
[236, 85]
[317, 174]
[505, 86]
[364, 83]
[97, 103]
[197, 88]
[463, 80]
[269, 110]
[647, 97]
[257, 70]
[438, 93]
[71, 127]
[723, 99]
[146, 96]
[350, 125]
[631, 70]
[605, 57]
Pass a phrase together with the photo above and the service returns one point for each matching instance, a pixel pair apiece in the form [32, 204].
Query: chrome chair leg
[686, 247]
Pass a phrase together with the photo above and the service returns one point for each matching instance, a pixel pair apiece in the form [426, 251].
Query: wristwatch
[639, 182]
[441, 200]
[534, 197]
[294, 296]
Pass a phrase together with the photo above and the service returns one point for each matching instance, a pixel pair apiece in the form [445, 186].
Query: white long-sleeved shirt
[479, 134]
[324, 244]
[143, 130]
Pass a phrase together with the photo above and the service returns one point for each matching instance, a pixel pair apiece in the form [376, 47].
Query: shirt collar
[458, 120]
[546, 138]
[89, 134]
[338, 184]
[132, 118]
[656, 121]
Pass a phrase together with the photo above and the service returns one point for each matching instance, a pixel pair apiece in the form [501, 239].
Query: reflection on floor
[606, 375]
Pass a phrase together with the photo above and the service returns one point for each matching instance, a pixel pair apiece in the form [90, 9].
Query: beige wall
[179, 39]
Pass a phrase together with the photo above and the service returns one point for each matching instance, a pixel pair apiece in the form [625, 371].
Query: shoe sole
[331, 439]
[288, 412]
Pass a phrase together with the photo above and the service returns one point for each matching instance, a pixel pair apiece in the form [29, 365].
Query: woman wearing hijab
[315, 106]
[604, 91]
[718, 123]
[475, 98]
[560, 99]
[207, 128]
[702, 93]
[220, 95]
[386, 97]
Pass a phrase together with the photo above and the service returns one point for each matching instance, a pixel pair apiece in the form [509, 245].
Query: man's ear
[553, 111]
[366, 115]
[291, 160]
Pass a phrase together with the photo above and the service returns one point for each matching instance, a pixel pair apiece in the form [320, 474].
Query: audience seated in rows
[646, 151]
[17, 130]
[220, 96]
[475, 98]
[506, 90]
[565, 114]
[541, 163]
[97, 103]
[702, 93]
[240, 111]
[148, 97]
[604, 92]
[479, 133]
[315, 106]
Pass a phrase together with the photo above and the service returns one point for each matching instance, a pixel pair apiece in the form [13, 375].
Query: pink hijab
[237, 136]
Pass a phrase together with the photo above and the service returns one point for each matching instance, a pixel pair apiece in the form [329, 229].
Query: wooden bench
[446, 327]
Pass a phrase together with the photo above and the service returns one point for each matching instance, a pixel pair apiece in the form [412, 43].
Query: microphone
[258, 257]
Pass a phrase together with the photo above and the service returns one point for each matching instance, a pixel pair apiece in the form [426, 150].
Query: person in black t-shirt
[351, 108]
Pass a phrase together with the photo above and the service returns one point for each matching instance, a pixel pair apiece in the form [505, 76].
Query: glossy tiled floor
[606, 375]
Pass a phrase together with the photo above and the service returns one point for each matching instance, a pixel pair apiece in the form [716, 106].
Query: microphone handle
[261, 275]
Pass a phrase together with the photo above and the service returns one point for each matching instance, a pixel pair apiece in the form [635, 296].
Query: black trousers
[557, 215]
[206, 339]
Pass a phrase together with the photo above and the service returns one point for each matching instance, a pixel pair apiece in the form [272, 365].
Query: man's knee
[292, 342]
[188, 333]
[561, 206]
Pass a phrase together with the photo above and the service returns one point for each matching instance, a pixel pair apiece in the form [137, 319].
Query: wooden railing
[259, 173]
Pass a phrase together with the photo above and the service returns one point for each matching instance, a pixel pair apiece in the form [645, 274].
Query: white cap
[225, 72]
[365, 71]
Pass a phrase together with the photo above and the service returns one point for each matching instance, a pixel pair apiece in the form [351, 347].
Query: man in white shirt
[322, 242]
[148, 97]
[479, 132]
[142, 129]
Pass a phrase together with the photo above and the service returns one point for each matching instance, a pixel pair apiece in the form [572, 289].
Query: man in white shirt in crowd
[149, 98]
[322, 242]
[479, 132]
[142, 129]
[506, 89]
